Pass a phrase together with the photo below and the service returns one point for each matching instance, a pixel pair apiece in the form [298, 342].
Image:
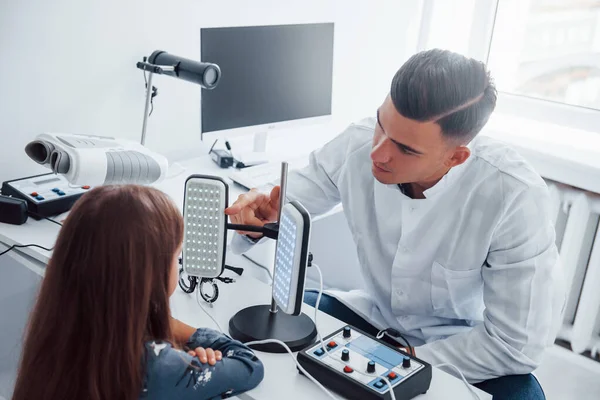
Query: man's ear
[460, 155]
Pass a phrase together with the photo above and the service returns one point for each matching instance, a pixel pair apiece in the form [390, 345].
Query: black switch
[406, 362]
[345, 355]
[371, 367]
[347, 332]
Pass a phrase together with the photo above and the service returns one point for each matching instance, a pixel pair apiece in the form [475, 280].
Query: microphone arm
[152, 69]
[160, 62]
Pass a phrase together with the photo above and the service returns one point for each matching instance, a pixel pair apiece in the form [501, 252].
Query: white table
[282, 380]
[281, 377]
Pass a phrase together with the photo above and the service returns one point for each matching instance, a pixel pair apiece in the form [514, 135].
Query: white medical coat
[472, 271]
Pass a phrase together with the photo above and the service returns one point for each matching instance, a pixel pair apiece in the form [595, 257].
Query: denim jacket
[174, 374]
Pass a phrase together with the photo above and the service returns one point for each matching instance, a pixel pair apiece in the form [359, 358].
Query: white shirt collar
[448, 180]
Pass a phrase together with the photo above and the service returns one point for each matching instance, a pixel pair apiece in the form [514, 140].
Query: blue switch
[38, 197]
[61, 193]
[379, 384]
[56, 190]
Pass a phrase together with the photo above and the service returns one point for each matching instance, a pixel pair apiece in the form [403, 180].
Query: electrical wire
[46, 218]
[53, 221]
[152, 95]
[207, 313]
[259, 265]
[475, 395]
[15, 246]
[309, 376]
[395, 334]
[317, 305]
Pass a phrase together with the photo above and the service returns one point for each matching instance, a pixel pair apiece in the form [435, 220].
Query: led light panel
[205, 226]
[291, 256]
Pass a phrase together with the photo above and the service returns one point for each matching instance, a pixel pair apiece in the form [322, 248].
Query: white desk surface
[281, 377]
[282, 380]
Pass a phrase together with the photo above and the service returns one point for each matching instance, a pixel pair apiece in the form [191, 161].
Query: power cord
[154, 90]
[259, 265]
[206, 312]
[475, 395]
[15, 246]
[394, 334]
[46, 218]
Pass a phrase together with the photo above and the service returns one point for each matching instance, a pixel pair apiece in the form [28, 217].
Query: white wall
[69, 65]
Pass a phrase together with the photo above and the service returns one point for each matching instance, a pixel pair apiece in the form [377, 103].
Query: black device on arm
[207, 75]
[204, 74]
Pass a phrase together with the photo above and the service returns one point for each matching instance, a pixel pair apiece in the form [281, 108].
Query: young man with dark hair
[453, 231]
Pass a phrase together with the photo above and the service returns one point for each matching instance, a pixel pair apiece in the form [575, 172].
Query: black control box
[353, 364]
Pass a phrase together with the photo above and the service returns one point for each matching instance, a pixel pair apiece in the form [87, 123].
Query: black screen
[269, 74]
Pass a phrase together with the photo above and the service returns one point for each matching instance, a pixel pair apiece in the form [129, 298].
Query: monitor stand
[260, 142]
[258, 155]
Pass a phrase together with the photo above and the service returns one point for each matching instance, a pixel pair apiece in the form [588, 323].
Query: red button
[348, 370]
[392, 375]
[34, 194]
[332, 344]
[86, 187]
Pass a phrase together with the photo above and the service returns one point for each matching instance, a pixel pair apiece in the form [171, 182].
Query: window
[548, 49]
[544, 55]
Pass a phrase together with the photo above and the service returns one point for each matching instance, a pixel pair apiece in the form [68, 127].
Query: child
[102, 329]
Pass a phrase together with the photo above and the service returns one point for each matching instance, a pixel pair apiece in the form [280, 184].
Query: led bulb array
[204, 227]
[284, 260]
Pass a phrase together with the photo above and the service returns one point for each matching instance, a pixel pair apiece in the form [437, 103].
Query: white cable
[309, 376]
[317, 306]
[206, 312]
[259, 265]
[475, 395]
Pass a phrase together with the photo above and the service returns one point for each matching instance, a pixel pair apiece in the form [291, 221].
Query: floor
[565, 376]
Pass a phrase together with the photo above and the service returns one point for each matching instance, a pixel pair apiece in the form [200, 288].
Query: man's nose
[381, 152]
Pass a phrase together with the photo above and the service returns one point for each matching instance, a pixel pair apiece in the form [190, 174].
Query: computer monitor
[272, 77]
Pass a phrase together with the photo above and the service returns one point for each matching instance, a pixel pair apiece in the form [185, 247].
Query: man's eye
[406, 151]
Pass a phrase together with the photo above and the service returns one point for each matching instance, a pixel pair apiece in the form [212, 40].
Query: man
[453, 232]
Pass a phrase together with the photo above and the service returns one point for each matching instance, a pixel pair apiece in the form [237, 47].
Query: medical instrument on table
[97, 160]
[44, 195]
[353, 363]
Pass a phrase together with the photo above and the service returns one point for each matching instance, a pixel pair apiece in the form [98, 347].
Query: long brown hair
[105, 292]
